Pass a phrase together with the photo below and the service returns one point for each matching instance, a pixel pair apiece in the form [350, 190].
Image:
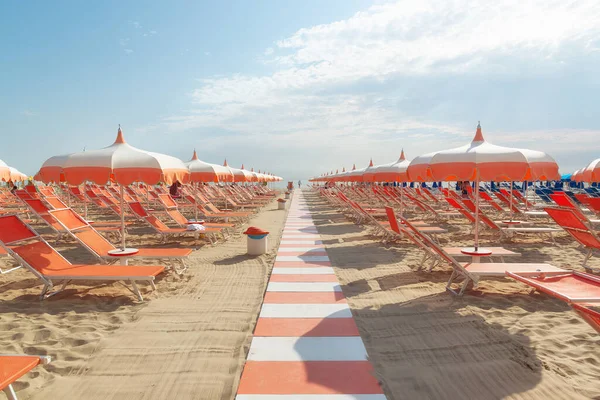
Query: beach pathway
[306, 341]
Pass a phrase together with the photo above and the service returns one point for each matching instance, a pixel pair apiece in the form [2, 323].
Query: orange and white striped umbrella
[4, 171]
[591, 173]
[16, 175]
[483, 161]
[201, 171]
[392, 172]
[119, 162]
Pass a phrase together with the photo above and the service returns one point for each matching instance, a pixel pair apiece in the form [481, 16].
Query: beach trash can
[287, 195]
[256, 241]
[281, 204]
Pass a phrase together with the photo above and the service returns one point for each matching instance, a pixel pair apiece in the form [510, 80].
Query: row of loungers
[580, 290]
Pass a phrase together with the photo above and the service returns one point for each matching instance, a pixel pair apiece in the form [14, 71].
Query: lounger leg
[153, 285]
[136, 291]
[10, 393]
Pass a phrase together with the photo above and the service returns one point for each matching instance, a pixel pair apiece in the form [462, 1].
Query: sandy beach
[498, 341]
[189, 339]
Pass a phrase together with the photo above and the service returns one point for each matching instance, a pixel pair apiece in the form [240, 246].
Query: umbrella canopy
[16, 175]
[4, 171]
[392, 172]
[119, 162]
[591, 173]
[201, 171]
[357, 174]
[481, 160]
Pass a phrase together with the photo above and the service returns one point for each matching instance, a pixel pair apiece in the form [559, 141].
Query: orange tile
[297, 264]
[303, 278]
[310, 377]
[306, 327]
[304, 297]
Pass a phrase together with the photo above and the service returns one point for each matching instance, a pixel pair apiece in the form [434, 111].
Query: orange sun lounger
[34, 253]
[13, 367]
[96, 244]
[164, 231]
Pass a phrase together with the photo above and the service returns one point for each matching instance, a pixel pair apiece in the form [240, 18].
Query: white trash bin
[256, 240]
[281, 204]
[287, 195]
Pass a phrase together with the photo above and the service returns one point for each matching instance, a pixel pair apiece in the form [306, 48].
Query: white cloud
[330, 84]
[28, 113]
[124, 42]
[136, 24]
[207, 53]
[128, 51]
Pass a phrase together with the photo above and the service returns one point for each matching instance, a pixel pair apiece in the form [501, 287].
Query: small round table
[476, 254]
[124, 254]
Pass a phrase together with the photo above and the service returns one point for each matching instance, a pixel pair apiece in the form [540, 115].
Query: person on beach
[174, 190]
[12, 186]
[299, 184]
[465, 189]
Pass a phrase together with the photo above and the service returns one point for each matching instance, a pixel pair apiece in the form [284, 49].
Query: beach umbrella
[393, 172]
[483, 161]
[357, 174]
[239, 175]
[16, 175]
[123, 164]
[4, 171]
[201, 171]
[591, 173]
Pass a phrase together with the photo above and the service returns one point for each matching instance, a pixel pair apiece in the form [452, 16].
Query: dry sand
[498, 341]
[188, 340]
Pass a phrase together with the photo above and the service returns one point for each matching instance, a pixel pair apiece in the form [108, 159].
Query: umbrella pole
[511, 201]
[195, 205]
[401, 201]
[122, 219]
[477, 211]
[84, 203]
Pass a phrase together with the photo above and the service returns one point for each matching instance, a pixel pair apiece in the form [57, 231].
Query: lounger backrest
[37, 206]
[31, 189]
[177, 216]
[13, 229]
[156, 223]
[563, 200]
[22, 194]
[212, 208]
[594, 204]
[138, 209]
[429, 242]
[167, 200]
[191, 199]
[55, 203]
[392, 219]
[469, 204]
[69, 219]
[85, 233]
[568, 219]
[42, 257]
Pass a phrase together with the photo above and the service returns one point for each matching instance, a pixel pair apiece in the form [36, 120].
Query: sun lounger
[569, 286]
[96, 244]
[579, 229]
[165, 232]
[13, 367]
[34, 253]
[176, 216]
[473, 272]
[562, 200]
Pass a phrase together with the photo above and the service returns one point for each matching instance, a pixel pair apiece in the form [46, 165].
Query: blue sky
[299, 87]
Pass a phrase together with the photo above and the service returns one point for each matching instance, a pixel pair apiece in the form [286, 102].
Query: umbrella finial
[194, 156]
[225, 163]
[120, 138]
[353, 167]
[242, 166]
[402, 158]
[344, 169]
[371, 162]
[478, 135]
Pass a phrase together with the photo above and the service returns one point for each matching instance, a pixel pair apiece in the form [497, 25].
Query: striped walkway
[306, 345]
